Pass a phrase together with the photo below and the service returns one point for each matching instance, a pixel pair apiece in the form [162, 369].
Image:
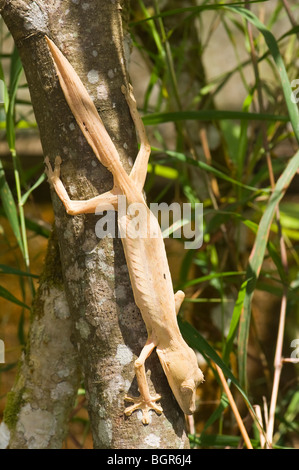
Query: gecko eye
[188, 391]
[187, 384]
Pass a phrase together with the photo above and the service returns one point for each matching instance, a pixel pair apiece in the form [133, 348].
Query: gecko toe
[58, 161]
[57, 166]
[48, 164]
[48, 169]
[140, 403]
[129, 95]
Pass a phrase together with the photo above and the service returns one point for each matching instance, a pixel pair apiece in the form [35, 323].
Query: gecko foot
[144, 405]
[128, 92]
[53, 174]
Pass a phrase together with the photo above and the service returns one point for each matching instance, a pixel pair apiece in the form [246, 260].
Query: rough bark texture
[39, 405]
[108, 330]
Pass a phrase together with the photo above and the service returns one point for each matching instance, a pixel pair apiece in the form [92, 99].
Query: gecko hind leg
[178, 299]
[145, 401]
[139, 169]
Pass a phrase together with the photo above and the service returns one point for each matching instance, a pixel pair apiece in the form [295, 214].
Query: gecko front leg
[106, 201]
[145, 401]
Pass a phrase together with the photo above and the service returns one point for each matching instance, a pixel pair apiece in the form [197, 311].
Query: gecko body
[145, 254]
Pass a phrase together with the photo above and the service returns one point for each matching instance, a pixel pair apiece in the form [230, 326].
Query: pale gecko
[145, 255]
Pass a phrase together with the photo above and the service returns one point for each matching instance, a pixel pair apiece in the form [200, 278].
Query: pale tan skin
[146, 257]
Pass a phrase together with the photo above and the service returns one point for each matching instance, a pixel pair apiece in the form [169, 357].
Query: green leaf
[204, 166]
[224, 403]
[164, 171]
[20, 125]
[193, 10]
[9, 207]
[257, 256]
[209, 115]
[8, 367]
[5, 92]
[235, 321]
[212, 276]
[4, 269]
[274, 50]
[197, 341]
[15, 75]
[219, 440]
[8, 296]
[40, 180]
[289, 212]
[36, 227]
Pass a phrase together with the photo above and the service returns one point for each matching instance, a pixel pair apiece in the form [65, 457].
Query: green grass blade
[196, 341]
[193, 10]
[9, 207]
[219, 440]
[8, 203]
[256, 259]
[8, 296]
[209, 115]
[4, 269]
[8, 367]
[210, 277]
[274, 50]
[243, 139]
[224, 403]
[235, 321]
[40, 180]
[15, 75]
[21, 124]
[36, 227]
[164, 171]
[204, 166]
[5, 91]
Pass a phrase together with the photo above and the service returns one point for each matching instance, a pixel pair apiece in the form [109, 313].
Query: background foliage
[224, 136]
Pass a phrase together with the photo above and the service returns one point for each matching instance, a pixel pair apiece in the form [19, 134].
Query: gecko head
[183, 375]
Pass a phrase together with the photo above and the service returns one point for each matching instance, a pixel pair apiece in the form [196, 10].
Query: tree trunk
[39, 404]
[108, 329]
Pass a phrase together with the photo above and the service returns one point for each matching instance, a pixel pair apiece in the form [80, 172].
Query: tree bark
[108, 329]
[39, 404]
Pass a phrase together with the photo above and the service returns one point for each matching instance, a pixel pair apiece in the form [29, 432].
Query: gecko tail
[84, 109]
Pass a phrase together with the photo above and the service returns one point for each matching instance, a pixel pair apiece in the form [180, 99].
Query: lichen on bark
[14, 401]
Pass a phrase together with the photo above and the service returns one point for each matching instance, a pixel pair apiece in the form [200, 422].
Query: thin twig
[234, 408]
[258, 413]
[293, 360]
[277, 366]
[266, 414]
[206, 150]
[191, 424]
